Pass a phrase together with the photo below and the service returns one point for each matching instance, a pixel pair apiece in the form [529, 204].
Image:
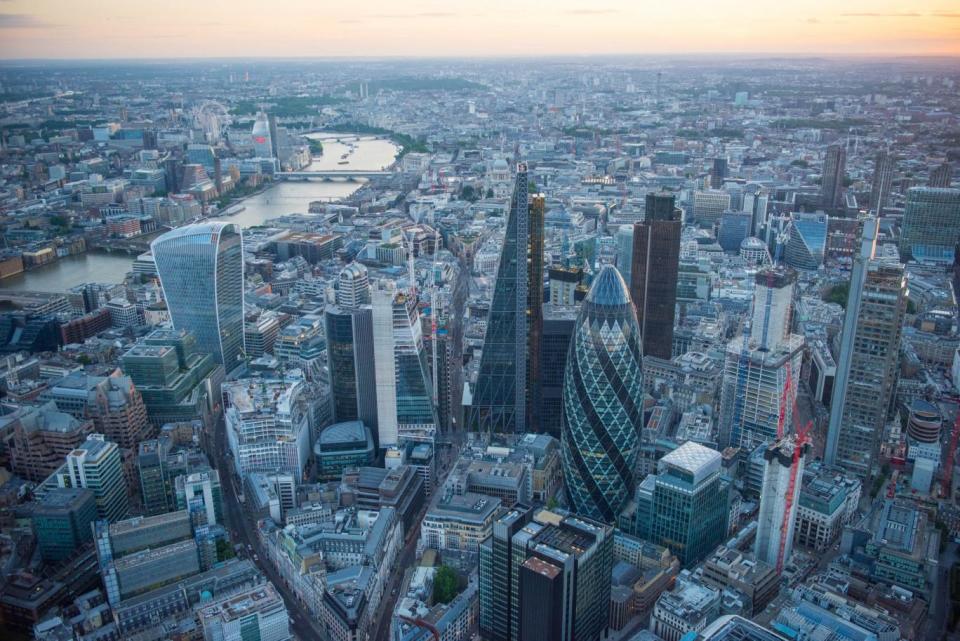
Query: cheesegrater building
[511, 344]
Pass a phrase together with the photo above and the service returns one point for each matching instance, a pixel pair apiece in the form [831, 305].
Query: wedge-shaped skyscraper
[602, 400]
[511, 344]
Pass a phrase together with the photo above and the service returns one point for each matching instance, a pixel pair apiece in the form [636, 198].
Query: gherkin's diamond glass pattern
[602, 400]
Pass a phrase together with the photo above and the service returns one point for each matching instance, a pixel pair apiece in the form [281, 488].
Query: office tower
[499, 588]
[656, 261]
[883, 166]
[869, 358]
[559, 323]
[942, 176]
[780, 492]
[564, 282]
[449, 390]
[684, 506]
[931, 224]
[111, 402]
[353, 286]
[762, 369]
[708, 206]
[41, 436]
[254, 613]
[201, 154]
[807, 244]
[514, 323]
[140, 554]
[267, 422]
[718, 171]
[118, 412]
[201, 496]
[602, 400]
[733, 229]
[176, 380]
[351, 363]
[260, 333]
[61, 522]
[545, 577]
[834, 171]
[274, 137]
[624, 238]
[404, 389]
[96, 466]
[201, 272]
[260, 137]
[151, 459]
[565, 582]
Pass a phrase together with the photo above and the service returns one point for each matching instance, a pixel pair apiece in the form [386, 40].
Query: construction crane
[802, 438]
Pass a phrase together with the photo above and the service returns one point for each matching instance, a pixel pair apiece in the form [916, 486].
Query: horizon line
[479, 57]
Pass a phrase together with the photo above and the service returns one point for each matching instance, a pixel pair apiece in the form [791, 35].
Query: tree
[552, 503]
[489, 192]
[469, 193]
[446, 584]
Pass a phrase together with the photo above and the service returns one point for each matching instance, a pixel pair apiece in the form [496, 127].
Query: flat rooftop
[695, 459]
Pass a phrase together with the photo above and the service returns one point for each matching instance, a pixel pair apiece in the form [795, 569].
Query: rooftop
[695, 459]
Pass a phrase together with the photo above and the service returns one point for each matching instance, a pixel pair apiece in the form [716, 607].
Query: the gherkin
[602, 400]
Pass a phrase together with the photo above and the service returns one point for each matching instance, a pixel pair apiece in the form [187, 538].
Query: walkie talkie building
[201, 272]
[602, 400]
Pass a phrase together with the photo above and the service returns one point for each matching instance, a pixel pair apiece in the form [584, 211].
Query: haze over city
[432, 28]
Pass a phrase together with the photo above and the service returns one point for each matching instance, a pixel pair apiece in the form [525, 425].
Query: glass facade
[201, 272]
[808, 241]
[511, 342]
[931, 224]
[602, 400]
[343, 374]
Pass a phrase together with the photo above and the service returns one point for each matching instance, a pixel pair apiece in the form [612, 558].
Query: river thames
[368, 153]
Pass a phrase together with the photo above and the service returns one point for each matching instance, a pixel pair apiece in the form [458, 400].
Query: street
[304, 627]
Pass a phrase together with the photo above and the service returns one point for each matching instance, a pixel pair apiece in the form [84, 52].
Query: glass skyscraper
[512, 341]
[654, 273]
[602, 400]
[201, 272]
[931, 224]
[808, 240]
[404, 389]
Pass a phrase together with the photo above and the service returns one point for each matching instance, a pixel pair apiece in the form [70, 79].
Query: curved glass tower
[602, 400]
[201, 272]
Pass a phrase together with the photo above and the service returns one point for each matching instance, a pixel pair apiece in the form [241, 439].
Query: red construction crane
[783, 403]
[801, 440]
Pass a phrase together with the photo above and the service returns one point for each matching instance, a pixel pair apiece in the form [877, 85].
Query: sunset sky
[322, 28]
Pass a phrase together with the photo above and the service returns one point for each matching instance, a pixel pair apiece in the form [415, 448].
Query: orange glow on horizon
[332, 28]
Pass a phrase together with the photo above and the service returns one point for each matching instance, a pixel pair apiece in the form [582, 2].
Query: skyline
[430, 28]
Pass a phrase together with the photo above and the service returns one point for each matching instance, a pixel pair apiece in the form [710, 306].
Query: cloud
[946, 14]
[20, 21]
[895, 14]
[420, 14]
[813, 21]
[591, 12]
